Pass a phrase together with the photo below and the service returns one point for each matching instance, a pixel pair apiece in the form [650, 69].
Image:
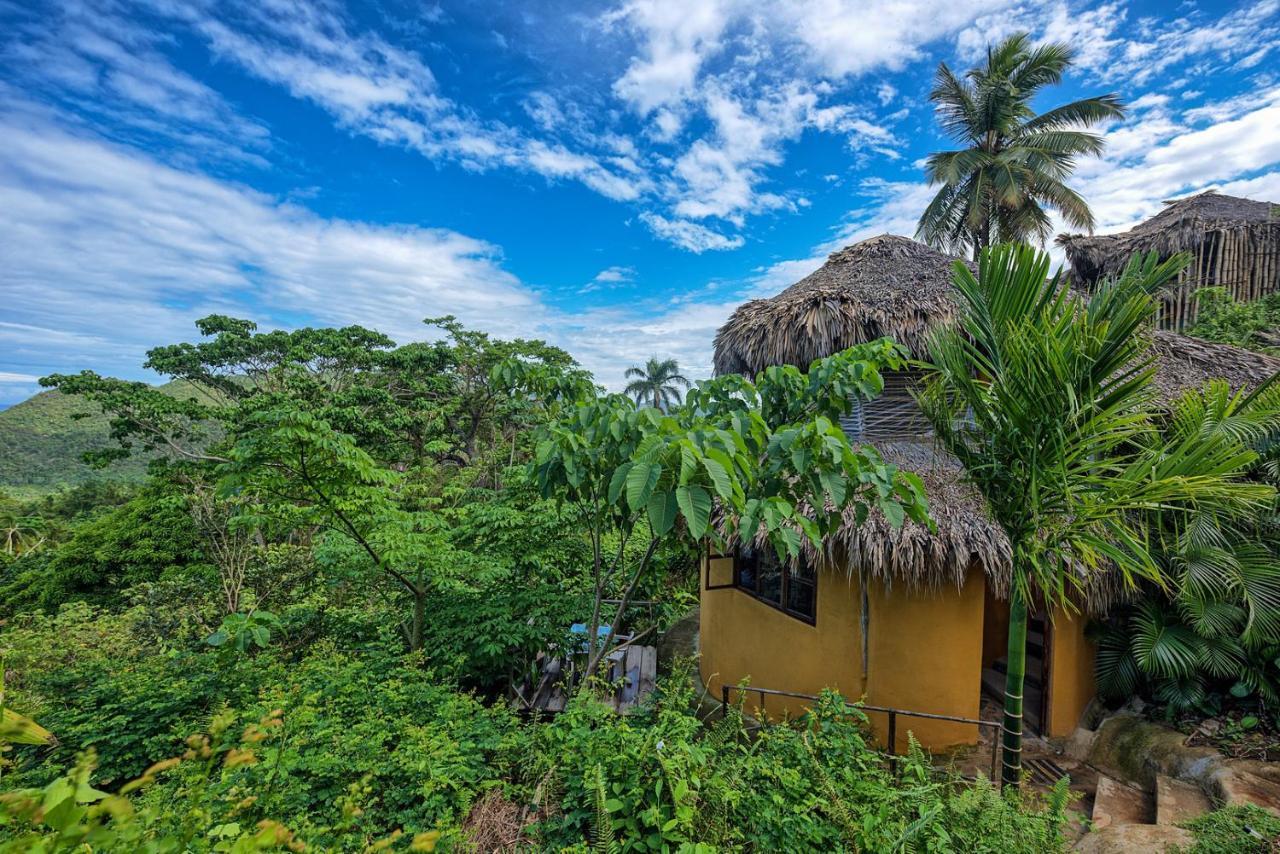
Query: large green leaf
[719, 477]
[695, 505]
[662, 511]
[641, 481]
[20, 729]
[618, 480]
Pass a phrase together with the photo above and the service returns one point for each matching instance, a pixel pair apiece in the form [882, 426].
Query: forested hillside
[43, 441]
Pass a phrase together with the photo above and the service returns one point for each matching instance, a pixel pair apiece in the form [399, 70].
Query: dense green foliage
[1211, 635]
[1254, 324]
[144, 539]
[770, 454]
[307, 629]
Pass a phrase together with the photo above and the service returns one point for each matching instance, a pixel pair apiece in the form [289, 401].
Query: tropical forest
[961, 536]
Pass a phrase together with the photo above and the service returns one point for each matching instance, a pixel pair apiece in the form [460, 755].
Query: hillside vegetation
[43, 441]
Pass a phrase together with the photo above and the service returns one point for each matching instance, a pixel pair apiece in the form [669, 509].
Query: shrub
[1235, 830]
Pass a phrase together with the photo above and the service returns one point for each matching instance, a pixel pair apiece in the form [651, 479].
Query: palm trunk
[1015, 677]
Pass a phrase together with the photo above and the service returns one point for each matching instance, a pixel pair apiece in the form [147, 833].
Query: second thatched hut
[1234, 243]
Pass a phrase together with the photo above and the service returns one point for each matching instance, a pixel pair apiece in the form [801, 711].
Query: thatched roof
[891, 285]
[1180, 227]
[965, 535]
[888, 285]
[1184, 363]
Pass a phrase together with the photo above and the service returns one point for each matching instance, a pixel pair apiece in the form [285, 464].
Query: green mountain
[42, 443]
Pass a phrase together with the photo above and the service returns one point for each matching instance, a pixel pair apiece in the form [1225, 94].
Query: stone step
[1240, 787]
[1134, 838]
[1035, 641]
[993, 685]
[1115, 803]
[1178, 801]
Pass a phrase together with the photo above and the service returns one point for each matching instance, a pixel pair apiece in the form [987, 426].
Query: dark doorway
[995, 639]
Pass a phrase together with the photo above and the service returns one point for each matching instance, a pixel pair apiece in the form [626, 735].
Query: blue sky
[613, 177]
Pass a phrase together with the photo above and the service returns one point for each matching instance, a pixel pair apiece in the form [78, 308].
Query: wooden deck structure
[631, 669]
[632, 673]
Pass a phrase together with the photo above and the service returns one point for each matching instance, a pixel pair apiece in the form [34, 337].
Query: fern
[602, 839]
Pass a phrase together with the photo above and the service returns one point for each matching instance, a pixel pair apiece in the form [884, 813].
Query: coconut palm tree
[20, 533]
[656, 383]
[1046, 399]
[1013, 163]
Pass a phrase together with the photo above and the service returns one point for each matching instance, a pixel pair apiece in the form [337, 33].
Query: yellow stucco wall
[1071, 662]
[741, 636]
[926, 656]
[925, 650]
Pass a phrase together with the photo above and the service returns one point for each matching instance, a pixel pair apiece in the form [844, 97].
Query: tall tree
[1013, 164]
[757, 455]
[1046, 399]
[657, 383]
[331, 431]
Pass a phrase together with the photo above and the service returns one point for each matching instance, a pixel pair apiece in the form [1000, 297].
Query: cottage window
[791, 588]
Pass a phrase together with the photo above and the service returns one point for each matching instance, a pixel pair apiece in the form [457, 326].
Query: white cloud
[689, 235]
[388, 93]
[117, 72]
[609, 278]
[1115, 47]
[123, 253]
[1160, 155]
[108, 252]
[616, 274]
[676, 38]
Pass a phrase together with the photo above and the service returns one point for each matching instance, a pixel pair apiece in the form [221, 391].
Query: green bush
[1225, 320]
[660, 781]
[145, 539]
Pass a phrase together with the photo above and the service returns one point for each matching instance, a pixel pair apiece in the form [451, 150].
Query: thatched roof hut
[887, 285]
[891, 285]
[1234, 242]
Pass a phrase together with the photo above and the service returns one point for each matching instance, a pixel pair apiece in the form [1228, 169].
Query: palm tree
[656, 383]
[1046, 399]
[20, 533]
[1013, 163]
[1217, 622]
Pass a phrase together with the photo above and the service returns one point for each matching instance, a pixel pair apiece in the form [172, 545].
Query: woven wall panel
[892, 415]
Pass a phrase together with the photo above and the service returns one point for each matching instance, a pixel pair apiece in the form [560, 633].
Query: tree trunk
[419, 617]
[1015, 677]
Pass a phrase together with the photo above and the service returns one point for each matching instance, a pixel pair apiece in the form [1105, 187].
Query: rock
[1237, 786]
[1210, 727]
[1079, 744]
[1258, 768]
[1139, 750]
[1130, 838]
[679, 641]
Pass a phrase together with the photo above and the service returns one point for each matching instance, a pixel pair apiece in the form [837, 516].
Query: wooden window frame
[788, 572]
[733, 570]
